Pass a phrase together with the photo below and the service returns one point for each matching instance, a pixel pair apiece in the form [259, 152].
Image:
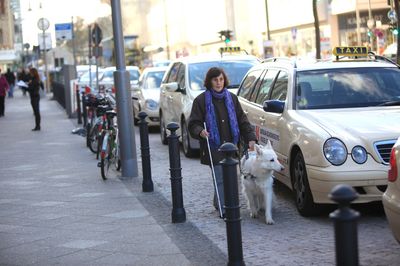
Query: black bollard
[78, 104]
[345, 223]
[84, 109]
[178, 211]
[232, 207]
[147, 184]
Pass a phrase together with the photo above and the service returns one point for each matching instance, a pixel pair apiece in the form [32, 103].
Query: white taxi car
[147, 93]
[330, 122]
[183, 82]
[391, 198]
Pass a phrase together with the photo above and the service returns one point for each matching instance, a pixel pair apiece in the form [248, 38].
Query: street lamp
[43, 24]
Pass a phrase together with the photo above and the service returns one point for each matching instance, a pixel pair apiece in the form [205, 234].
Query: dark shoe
[36, 129]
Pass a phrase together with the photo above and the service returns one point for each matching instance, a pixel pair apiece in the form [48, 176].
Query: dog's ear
[258, 149]
[269, 144]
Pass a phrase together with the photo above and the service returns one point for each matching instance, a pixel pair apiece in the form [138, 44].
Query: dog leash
[213, 174]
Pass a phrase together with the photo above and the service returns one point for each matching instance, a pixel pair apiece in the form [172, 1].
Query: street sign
[43, 24]
[47, 38]
[63, 31]
[97, 34]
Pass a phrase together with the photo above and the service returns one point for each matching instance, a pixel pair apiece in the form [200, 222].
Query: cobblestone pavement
[292, 240]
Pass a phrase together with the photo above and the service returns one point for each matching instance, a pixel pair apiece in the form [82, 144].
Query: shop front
[377, 37]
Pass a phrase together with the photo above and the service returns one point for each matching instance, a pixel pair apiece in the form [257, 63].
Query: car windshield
[86, 78]
[153, 80]
[133, 74]
[235, 70]
[347, 88]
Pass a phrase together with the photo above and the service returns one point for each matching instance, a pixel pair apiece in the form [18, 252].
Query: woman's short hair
[213, 73]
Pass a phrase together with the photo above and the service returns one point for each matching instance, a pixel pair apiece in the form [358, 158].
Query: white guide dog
[257, 180]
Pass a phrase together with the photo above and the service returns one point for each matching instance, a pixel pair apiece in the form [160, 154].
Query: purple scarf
[211, 121]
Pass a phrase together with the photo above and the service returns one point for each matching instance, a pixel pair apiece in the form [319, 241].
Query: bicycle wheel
[105, 158]
[93, 139]
[116, 157]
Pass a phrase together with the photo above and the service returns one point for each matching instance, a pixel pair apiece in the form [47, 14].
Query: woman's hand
[204, 134]
[251, 145]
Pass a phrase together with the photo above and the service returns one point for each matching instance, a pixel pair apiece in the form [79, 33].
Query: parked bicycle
[109, 154]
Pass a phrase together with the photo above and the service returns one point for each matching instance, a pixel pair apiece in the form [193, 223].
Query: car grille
[383, 148]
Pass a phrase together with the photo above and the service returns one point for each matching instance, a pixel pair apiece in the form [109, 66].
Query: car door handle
[262, 119]
[170, 98]
[245, 112]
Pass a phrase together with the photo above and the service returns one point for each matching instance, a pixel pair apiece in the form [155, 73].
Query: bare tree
[317, 32]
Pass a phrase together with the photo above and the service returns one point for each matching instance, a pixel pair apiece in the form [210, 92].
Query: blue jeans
[11, 91]
[220, 187]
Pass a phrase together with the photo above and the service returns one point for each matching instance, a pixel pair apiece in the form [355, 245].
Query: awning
[7, 56]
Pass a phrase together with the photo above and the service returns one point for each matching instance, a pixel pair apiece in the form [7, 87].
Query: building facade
[7, 51]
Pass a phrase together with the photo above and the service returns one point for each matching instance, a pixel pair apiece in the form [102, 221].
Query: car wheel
[301, 188]
[163, 131]
[135, 119]
[187, 150]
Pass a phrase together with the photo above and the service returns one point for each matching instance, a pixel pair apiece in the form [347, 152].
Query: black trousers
[2, 105]
[36, 111]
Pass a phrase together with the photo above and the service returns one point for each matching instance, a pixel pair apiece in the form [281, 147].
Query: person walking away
[33, 89]
[3, 92]
[225, 121]
[11, 82]
[24, 76]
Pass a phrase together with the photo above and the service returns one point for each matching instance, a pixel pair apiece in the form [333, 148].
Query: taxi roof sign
[350, 51]
[229, 49]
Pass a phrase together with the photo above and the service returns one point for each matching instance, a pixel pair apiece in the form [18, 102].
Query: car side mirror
[172, 87]
[274, 106]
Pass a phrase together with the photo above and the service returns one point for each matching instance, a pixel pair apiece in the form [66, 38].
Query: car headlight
[335, 151]
[151, 104]
[359, 154]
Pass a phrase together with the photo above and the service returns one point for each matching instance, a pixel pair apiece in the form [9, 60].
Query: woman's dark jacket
[34, 87]
[198, 117]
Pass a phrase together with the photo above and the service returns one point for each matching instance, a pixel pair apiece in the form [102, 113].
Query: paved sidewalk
[55, 208]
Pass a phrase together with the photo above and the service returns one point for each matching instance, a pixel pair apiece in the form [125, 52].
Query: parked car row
[330, 122]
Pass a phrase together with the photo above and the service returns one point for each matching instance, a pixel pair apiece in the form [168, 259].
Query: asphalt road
[292, 240]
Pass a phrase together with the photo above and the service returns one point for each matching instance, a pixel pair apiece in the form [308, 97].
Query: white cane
[213, 174]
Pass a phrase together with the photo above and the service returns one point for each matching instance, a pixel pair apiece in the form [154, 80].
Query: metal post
[232, 207]
[345, 223]
[45, 61]
[124, 102]
[147, 184]
[78, 104]
[90, 57]
[178, 211]
[73, 46]
[84, 110]
[267, 16]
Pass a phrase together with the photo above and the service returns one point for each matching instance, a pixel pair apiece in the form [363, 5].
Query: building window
[1, 37]
[2, 7]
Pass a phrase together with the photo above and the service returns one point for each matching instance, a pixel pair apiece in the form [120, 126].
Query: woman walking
[33, 89]
[225, 122]
[3, 92]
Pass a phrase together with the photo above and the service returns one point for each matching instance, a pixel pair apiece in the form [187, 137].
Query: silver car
[147, 93]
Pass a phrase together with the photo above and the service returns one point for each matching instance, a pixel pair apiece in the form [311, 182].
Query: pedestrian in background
[225, 120]
[3, 92]
[11, 82]
[23, 75]
[34, 85]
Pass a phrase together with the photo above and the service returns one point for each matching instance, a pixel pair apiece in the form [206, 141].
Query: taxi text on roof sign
[350, 51]
[229, 49]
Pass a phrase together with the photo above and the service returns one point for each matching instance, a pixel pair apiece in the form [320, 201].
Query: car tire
[187, 150]
[135, 120]
[301, 188]
[163, 131]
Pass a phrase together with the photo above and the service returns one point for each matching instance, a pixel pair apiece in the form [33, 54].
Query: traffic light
[394, 29]
[226, 35]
